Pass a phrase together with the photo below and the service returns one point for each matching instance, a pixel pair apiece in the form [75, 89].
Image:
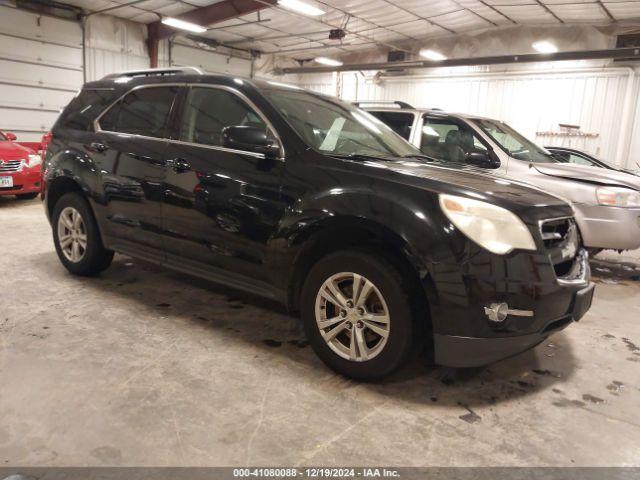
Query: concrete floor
[143, 366]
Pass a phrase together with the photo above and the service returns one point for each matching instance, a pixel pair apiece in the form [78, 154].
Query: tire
[27, 196]
[89, 257]
[381, 356]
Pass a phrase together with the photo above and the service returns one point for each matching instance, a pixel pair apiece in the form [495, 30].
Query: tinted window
[449, 140]
[399, 122]
[83, 109]
[209, 110]
[142, 112]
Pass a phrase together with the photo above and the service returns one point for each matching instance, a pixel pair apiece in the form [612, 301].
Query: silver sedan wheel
[352, 316]
[72, 235]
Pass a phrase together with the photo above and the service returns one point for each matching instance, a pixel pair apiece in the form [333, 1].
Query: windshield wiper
[358, 156]
[419, 155]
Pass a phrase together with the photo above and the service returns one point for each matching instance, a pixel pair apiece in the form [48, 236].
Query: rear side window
[84, 108]
[141, 112]
[400, 122]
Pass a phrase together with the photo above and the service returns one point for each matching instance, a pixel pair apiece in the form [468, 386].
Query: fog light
[498, 312]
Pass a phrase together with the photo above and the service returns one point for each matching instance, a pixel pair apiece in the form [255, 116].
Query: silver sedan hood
[583, 173]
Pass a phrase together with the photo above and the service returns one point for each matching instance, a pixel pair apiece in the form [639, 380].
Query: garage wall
[40, 70]
[114, 45]
[602, 101]
[209, 61]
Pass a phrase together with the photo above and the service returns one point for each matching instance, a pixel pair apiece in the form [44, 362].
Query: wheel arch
[352, 232]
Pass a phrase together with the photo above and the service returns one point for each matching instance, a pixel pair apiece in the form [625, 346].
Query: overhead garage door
[41, 64]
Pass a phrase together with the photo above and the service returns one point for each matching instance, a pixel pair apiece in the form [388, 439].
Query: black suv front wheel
[356, 314]
[76, 237]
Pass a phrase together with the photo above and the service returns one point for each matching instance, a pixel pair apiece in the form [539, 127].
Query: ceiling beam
[216, 13]
[205, 16]
[620, 53]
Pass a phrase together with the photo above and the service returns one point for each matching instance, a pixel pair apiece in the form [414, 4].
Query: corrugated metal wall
[183, 55]
[40, 70]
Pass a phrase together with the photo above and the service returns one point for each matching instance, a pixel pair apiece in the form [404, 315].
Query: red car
[19, 168]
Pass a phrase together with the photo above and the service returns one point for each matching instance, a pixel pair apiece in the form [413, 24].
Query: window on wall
[448, 140]
[400, 122]
[142, 112]
[209, 110]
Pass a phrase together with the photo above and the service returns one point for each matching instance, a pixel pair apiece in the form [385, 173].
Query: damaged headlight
[618, 197]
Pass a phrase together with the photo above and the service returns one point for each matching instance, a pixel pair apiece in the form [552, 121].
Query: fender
[73, 168]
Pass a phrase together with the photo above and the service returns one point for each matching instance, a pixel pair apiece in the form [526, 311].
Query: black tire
[96, 258]
[391, 284]
[27, 196]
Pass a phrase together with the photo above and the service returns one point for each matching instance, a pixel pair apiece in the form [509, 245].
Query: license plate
[6, 181]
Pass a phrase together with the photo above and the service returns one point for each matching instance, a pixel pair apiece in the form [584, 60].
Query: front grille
[560, 237]
[554, 231]
[6, 189]
[11, 166]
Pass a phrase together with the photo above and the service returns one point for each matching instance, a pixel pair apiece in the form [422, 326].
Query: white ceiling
[374, 23]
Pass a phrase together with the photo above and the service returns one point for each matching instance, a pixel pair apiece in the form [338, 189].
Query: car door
[130, 147]
[221, 205]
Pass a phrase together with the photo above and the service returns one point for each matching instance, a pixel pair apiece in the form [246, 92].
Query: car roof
[420, 111]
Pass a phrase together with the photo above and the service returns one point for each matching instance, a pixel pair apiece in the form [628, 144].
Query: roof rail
[154, 71]
[378, 102]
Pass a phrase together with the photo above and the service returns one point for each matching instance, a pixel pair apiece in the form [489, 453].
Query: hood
[472, 182]
[584, 173]
[11, 150]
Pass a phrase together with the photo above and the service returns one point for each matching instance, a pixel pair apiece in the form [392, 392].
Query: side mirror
[483, 160]
[11, 136]
[252, 139]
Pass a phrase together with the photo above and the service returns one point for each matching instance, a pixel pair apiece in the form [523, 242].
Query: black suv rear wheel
[356, 314]
[76, 237]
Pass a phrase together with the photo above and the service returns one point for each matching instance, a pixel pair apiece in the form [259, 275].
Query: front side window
[144, 111]
[400, 122]
[448, 140]
[514, 144]
[209, 110]
[337, 128]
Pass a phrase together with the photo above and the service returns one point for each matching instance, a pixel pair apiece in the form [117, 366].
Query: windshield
[337, 128]
[514, 144]
[2, 137]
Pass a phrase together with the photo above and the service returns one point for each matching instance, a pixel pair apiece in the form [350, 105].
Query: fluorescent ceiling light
[545, 47]
[301, 7]
[182, 25]
[328, 61]
[432, 55]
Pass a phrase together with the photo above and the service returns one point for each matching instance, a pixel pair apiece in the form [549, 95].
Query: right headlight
[618, 197]
[494, 228]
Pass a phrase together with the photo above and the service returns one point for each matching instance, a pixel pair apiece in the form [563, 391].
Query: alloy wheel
[72, 234]
[352, 316]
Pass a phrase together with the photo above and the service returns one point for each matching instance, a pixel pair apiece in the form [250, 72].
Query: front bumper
[540, 303]
[24, 181]
[457, 351]
[609, 227]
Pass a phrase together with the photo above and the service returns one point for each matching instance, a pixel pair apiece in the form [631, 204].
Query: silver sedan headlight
[494, 228]
[618, 197]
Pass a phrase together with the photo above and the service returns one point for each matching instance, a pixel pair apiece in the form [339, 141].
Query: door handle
[179, 165]
[98, 147]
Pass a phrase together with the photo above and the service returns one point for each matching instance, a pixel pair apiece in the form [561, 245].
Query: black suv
[302, 198]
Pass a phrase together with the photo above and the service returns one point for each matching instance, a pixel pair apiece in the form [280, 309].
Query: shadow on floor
[615, 269]
[242, 317]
